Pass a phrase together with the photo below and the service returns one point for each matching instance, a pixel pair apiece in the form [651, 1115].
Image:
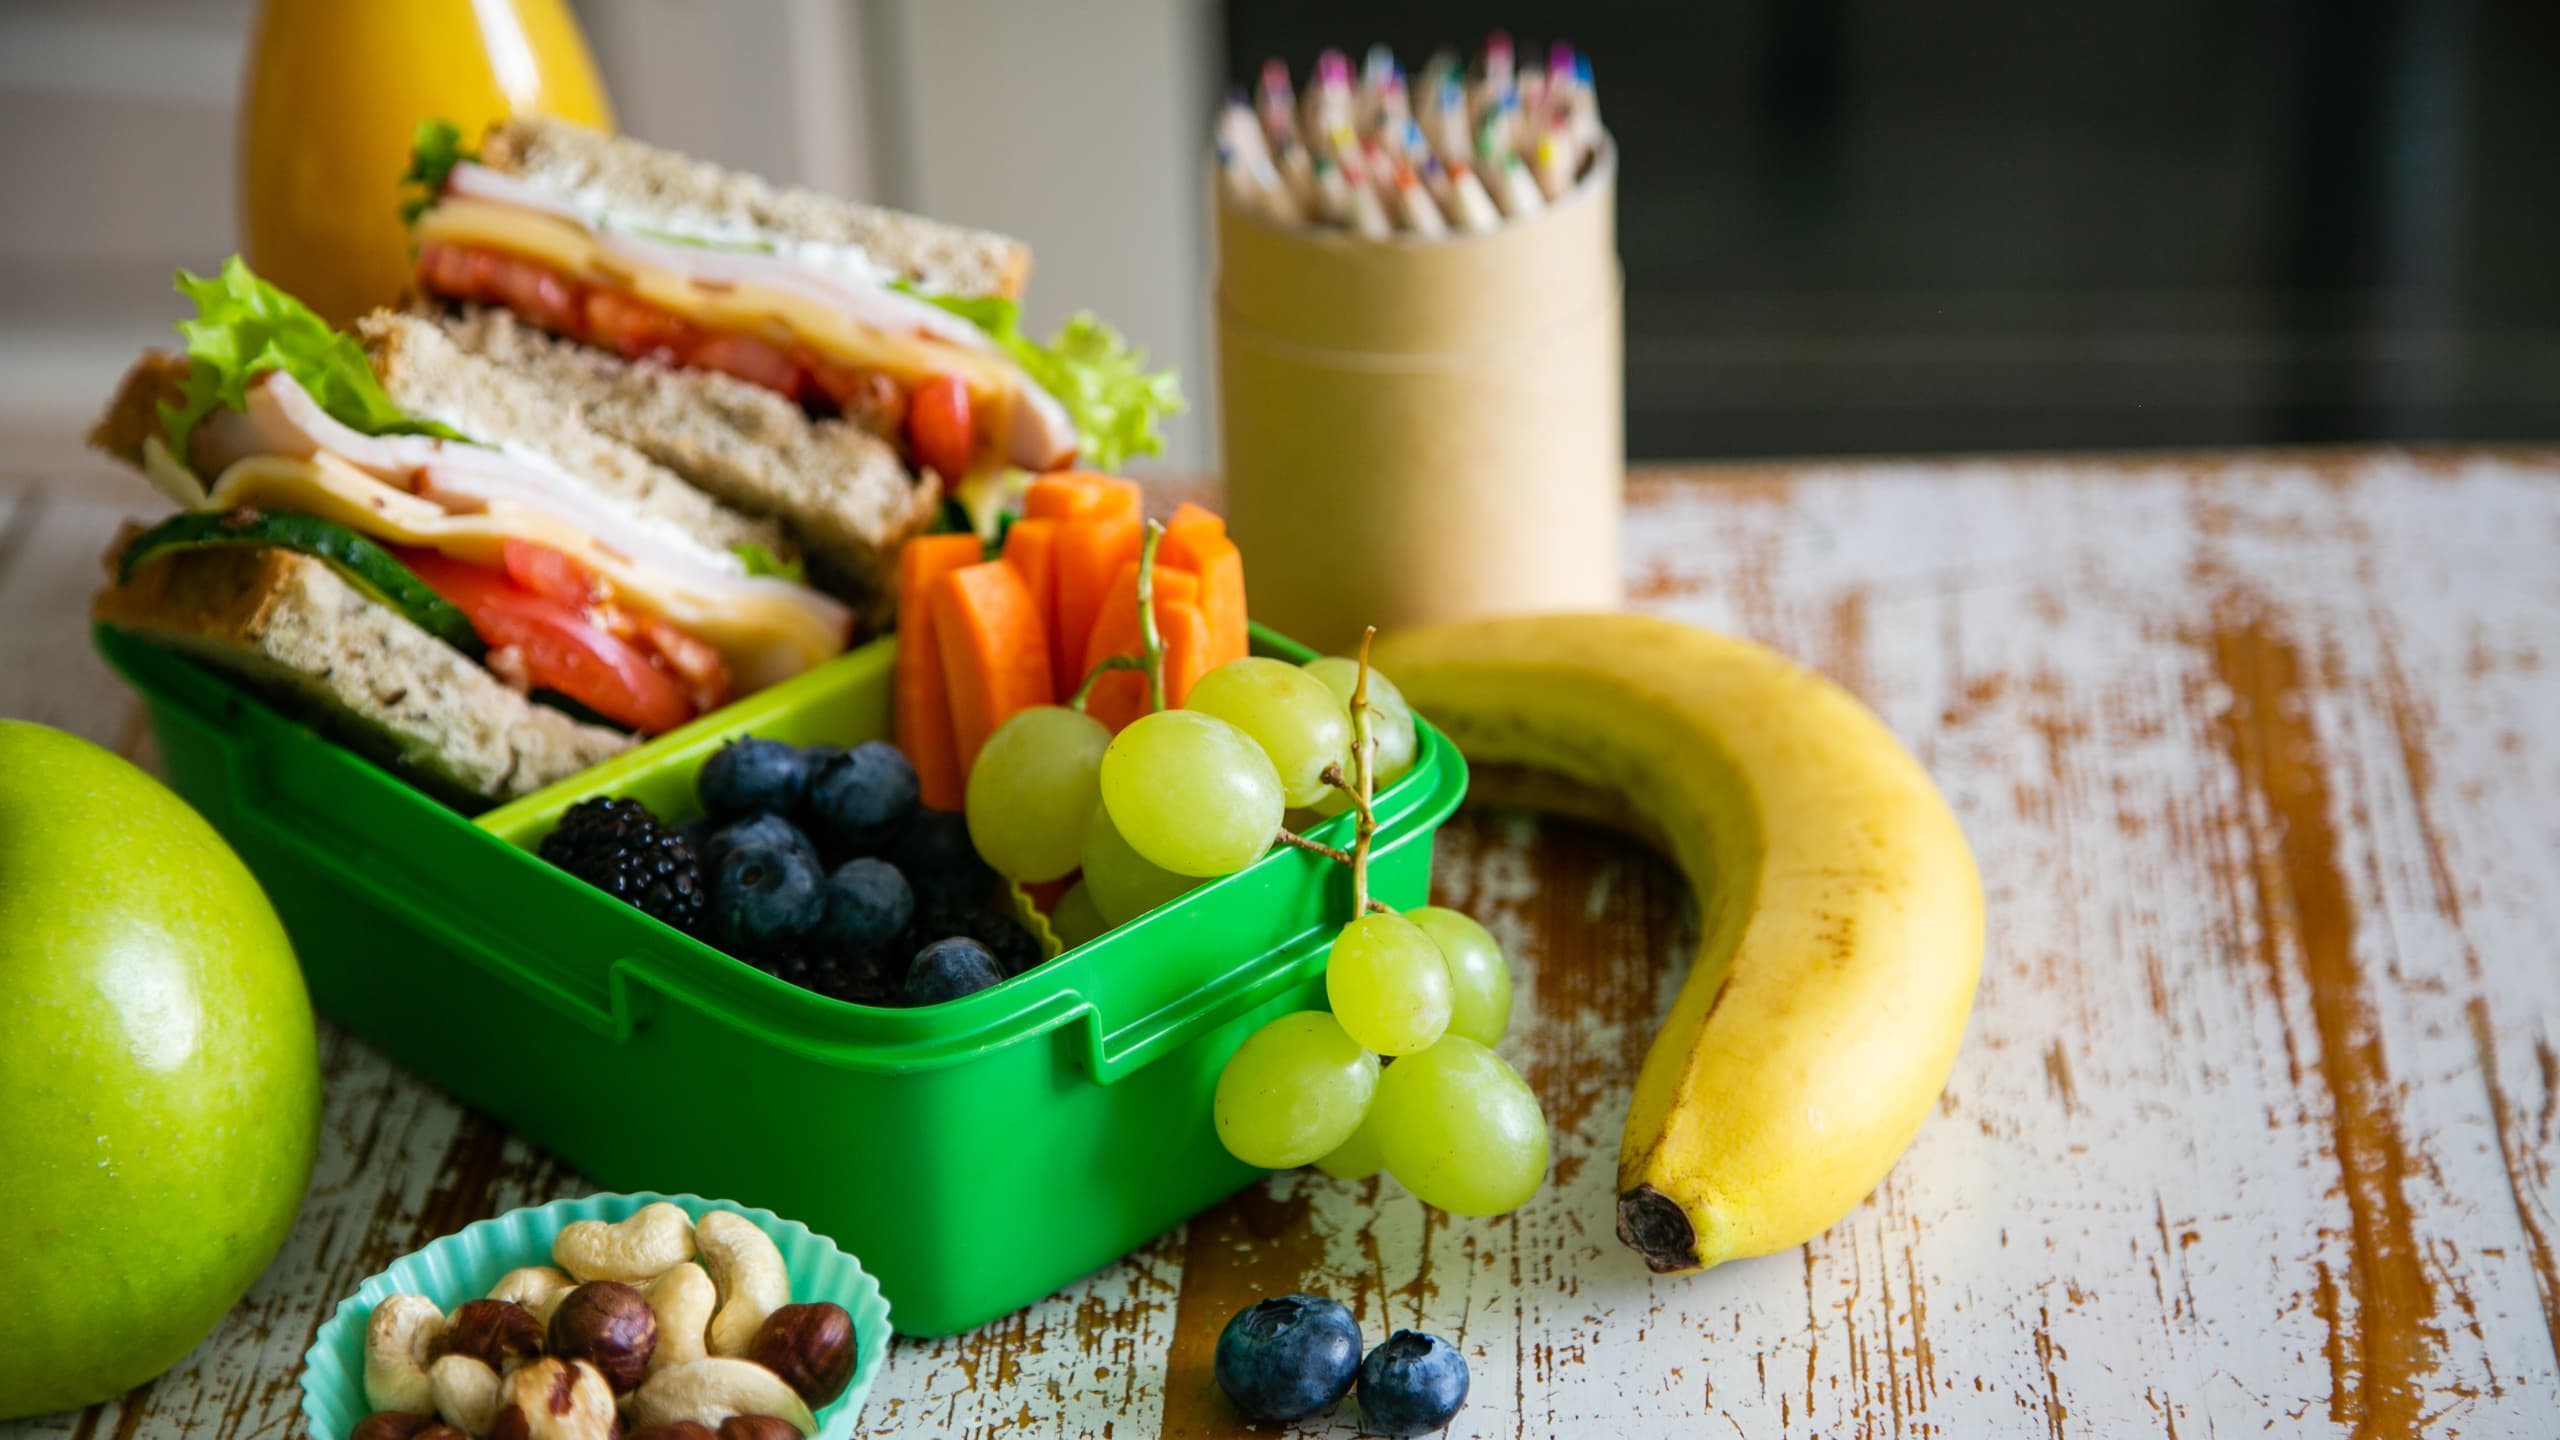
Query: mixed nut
[680, 1330]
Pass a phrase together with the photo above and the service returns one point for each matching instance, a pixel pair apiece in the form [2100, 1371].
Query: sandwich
[635, 261]
[422, 549]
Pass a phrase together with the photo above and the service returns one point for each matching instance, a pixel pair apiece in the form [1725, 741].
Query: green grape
[1035, 784]
[1122, 883]
[1482, 1009]
[1357, 1158]
[1191, 793]
[1296, 720]
[1390, 729]
[1294, 1091]
[1388, 985]
[1077, 919]
[1460, 1129]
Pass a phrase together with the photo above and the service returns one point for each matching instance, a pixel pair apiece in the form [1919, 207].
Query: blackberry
[838, 976]
[620, 848]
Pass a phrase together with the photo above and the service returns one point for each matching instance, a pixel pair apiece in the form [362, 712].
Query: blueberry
[868, 903]
[863, 800]
[941, 860]
[764, 828]
[1288, 1358]
[766, 897]
[751, 775]
[1411, 1385]
[949, 969]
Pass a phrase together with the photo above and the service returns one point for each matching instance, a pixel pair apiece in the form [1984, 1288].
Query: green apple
[159, 1080]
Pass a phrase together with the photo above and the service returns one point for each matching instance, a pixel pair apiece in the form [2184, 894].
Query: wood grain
[2255, 1128]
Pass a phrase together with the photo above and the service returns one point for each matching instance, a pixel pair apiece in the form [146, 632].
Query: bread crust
[651, 183]
[296, 630]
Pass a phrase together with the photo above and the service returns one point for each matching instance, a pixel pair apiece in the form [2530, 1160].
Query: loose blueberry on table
[1287, 1358]
[1411, 1385]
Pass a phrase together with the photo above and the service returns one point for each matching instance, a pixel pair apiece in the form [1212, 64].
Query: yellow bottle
[334, 91]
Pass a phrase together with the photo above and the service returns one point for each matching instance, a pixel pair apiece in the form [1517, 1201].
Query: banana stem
[1147, 616]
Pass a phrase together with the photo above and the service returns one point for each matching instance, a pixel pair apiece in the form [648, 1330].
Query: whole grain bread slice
[427, 374]
[840, 492]
[291, 626]
[678, 191]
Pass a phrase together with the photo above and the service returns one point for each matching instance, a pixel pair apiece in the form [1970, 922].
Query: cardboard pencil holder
[1421, 430]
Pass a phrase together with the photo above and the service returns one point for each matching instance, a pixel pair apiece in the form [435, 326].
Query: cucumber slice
[365, 565]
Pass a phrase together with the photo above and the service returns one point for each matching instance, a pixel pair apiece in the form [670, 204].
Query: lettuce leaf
[245, 327]
[1117, 404]
[761, 561]
[435, 147]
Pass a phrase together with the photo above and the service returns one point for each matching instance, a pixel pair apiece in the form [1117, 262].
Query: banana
[1841, 911]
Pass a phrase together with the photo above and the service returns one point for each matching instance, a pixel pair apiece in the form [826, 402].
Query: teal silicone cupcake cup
[462, 1266]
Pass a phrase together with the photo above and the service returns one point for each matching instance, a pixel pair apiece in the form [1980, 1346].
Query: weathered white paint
[2120, 1219]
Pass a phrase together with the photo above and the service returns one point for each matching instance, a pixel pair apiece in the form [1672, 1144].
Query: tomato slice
[938, 431]
[548, 573]
[755, 361]
[560, 650]
[637, 329]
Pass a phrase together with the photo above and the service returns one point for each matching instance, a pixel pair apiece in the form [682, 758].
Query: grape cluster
[1445, 1116]
[1180, 797]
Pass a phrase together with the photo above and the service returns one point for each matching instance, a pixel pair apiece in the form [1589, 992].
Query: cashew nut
[710, 1391]
[684, 1298]
[466, 1393]
[538, 1288]
[397, 1341]
[747, 1268]
[653, 1240]
[555, 1400]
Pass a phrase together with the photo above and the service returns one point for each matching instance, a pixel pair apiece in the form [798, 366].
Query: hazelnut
[811, 1347]
[555, 1399]
[500, 1334]
[758, 1427]
[440, 1431]
[609, 1325]
[675, 1430]
[390, 1425]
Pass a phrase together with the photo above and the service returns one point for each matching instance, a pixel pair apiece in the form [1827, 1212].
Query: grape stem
[1084, 691]
[1295, 840]
[1364, 764]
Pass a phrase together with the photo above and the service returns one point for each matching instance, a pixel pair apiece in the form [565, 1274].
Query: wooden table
[2254, 1131]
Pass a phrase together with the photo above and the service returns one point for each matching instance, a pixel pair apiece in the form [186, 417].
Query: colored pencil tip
[1499, 41]
[1582, 69]
[1560, 59]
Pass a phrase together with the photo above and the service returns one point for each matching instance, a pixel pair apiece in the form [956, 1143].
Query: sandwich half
[453, 571]
[839, 492]
[902, 327]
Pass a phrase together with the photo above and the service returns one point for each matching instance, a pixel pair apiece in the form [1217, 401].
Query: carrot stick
[1207, 553]
[922, 711]
[1090, 551]
[1121, 697]
[995, 658]
[1031, 547]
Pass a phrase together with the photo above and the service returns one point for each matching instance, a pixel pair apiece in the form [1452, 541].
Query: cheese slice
[763, 638]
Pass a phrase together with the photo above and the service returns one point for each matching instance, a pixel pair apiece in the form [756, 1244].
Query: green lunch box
[975, 1155]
